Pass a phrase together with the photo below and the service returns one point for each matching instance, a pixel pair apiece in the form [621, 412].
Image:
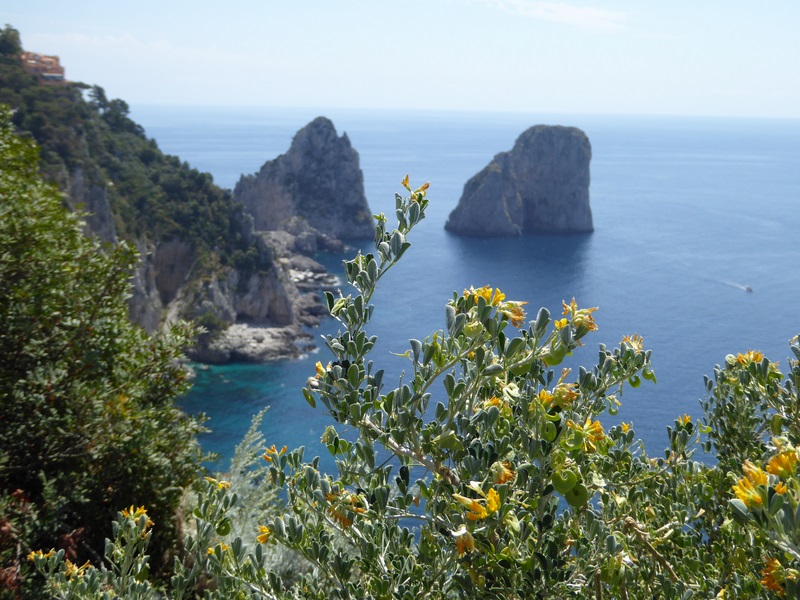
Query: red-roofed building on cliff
[48, 68]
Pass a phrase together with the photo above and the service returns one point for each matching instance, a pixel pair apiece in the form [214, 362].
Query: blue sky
[701, 57]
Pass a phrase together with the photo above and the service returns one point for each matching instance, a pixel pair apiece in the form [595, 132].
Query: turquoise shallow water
[687, 213]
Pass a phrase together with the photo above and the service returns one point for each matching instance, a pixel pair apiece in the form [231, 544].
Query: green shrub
[89, 423]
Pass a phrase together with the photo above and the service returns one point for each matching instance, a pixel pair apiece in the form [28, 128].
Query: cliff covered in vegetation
[202, 257]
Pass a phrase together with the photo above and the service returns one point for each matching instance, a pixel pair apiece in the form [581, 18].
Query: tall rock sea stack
[540, 186]
[317, 186]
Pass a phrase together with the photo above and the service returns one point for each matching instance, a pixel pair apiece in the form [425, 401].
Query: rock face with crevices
[317, 182]
[540, 186]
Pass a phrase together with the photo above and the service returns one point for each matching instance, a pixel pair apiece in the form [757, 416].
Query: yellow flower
[404, 183]
[564, 394]
[72, 570]
[273, 452]
[491, 298]
[747, 489]
[346, 503]
[560, 323]
[464, 541]
[626, 427]
[594, 434]
[546, 398]
[780, 488]
[581, 317]
[354, 502]
[635, 342]
[514, 312]
[595, 430]
[783, 465]
[319, 370]
[493, 401]
[339, 516]
[263, 534]
[685, 419]
[135, 513]
[591, 431]
[502, 472]
[222, 548]
[492, 501]
[477, 515]
[499, 403]
[220, 484]
[754, 473]
[40, 554]
[749, 357]
[476, 510]
[747, 493]
[772, 576]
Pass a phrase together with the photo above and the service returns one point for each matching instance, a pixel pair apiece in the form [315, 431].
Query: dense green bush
[88, 421]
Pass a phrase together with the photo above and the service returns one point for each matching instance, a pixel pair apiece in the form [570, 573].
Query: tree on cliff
[84, 135]
[89, 424]
[10, 43]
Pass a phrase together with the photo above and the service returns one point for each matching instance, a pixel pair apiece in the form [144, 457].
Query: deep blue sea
[687, 213]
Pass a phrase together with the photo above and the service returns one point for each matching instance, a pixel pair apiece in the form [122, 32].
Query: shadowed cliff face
[318, 180]
[540, 186]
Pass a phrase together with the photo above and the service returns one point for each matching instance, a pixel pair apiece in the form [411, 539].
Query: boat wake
[745, 288]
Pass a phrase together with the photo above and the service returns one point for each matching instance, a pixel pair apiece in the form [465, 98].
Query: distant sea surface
[688, 213]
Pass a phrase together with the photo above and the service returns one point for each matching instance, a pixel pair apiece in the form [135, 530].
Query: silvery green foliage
[129, 569]
[258, 500]
[484, 473]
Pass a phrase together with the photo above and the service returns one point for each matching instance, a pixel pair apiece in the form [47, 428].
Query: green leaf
[739, 509]
[450, 318]
[775, 503]
[416, 349]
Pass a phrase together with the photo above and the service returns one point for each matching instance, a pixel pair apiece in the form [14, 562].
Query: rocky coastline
[247, 342]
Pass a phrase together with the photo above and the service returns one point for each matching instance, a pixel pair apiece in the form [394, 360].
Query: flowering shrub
[490, 471]
[129, 577]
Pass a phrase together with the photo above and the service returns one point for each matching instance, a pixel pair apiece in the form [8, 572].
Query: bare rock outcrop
[92, 200]
[249, 343]
[317, 185]
[540, 186]
[145, 305]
